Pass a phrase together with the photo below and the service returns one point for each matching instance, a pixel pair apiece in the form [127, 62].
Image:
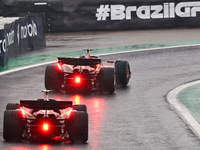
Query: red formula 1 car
[86, 73]
[45, 119]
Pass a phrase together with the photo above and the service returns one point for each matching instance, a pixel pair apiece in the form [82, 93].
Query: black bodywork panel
[79, 61]
[45, 105]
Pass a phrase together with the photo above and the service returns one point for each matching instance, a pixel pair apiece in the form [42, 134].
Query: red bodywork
[80, 74]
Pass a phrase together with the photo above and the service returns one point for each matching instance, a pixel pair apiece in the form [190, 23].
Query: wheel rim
[115, 82]
[127, 73]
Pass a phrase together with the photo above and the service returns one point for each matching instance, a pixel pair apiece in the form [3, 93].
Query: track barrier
[22, 35]
[101, 15]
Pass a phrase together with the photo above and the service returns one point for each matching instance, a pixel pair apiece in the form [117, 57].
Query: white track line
[151, 49]
[182, 110]
[23, 68]
[131, 51]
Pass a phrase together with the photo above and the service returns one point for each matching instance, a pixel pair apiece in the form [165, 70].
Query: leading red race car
[86, 73]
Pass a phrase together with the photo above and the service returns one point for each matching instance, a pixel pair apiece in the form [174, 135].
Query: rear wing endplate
[45, 105]
[79, 61]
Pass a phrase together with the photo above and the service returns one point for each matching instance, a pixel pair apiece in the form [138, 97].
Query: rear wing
[45, 105]
[79, 61]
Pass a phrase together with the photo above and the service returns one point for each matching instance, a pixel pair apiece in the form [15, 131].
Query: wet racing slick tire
[107, 80]
[12, 106]
[80, 108]
[12, 126]
[123, 72]
[54, 78]
[78, 127]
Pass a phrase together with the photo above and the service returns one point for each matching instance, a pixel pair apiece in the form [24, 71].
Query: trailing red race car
[86, 73]
[45, 119]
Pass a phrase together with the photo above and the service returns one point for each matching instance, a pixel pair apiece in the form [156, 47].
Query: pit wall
[22, 35]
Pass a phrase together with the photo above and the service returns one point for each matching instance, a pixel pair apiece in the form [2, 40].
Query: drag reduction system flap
[79, 61]
[45, 105]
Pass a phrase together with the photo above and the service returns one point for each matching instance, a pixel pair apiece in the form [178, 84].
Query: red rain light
[77, 79]
[45, 127]
[97, 67]
[69, 112]
[59, 66]
[23, 112]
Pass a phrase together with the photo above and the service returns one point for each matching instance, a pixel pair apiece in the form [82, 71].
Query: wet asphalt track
[137, 117]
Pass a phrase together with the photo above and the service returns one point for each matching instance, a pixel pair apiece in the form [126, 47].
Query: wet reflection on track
[95, 107]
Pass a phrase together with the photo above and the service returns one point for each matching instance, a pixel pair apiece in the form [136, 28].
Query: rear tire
[80, 108]
[78, 127]
[107, 80]
[54, 78]
[12, 126]
[12, 106]
[123, 72]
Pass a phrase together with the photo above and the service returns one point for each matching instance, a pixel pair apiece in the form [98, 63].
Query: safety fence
[98, 15]
[22, 35]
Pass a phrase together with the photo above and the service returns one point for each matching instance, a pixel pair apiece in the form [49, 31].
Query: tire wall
[92, 15]
[22, 35]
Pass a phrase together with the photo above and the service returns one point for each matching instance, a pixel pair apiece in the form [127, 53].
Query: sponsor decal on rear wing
[79, 61]
[45, 105]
